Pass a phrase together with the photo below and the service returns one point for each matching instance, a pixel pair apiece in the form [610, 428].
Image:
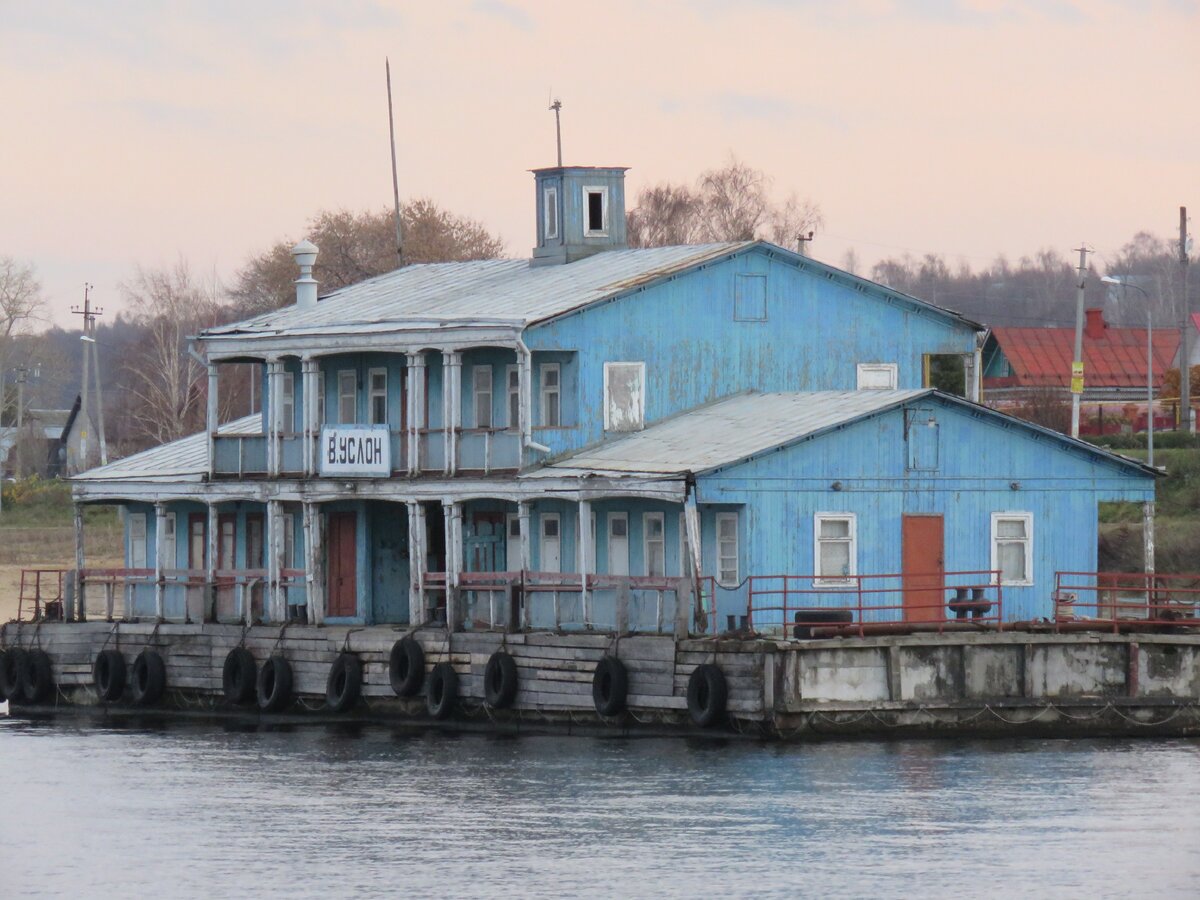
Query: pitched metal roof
[498, 291]
[727, 431]
[184, 459]
[1041, 357]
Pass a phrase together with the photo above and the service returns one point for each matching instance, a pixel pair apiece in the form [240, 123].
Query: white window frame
[373, 395]
[285, 416]
[478, 391]
[641, 411]
[722, 551]
[543, 537]
[547, 391]
[851, 539]
[612, 518]
[647, 518]
[343, 375]
[1027, 518]
[550, 213]
[512, 395]
[137, 543]
[170, 546]
[892, 370]
[602, 190]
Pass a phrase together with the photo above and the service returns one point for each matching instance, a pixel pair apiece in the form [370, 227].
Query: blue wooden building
[601, 437]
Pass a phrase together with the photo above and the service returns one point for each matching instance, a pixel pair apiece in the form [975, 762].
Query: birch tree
[21, 304]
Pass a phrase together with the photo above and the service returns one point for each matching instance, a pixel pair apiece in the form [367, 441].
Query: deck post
[691, 524]
[209, 613]
[274, 587]
[314, 562]
[416, 410]
[80, 605]
[310, 372]
[416, 563]
[451, 407]
[212, 418]
[160, 530]
[274, 423]
[585, 558]
[452, 517]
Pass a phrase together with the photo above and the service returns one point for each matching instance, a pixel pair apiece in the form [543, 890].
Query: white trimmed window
[512, 381]
[877, 376]
[655, 544]
[835, 548]
[168, 539]
[137, 541]
[481, 387]
[595, 211]
[1012, 547]
[347, 396]
[286, 420]
[377, 396]
[550, 212]
[624, 396]
[551, 398]
[727, 549]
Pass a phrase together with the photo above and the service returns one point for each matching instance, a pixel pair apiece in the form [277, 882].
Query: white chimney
[305, 254]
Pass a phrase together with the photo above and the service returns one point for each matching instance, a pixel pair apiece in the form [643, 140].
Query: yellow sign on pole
[1076, 378]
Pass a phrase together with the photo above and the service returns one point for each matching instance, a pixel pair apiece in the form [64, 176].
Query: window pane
[514, 410]
[835, 559]
[483, 410]
[1010, 528]
[1011, 558]
[552, 410]
[835, 528]
[550, 527]
[619, 527]
[727, 528]
[550, 376]
[654, 527]
[654, 559]
[378, 382]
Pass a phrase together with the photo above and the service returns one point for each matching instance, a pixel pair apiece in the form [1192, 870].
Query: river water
[206, 810]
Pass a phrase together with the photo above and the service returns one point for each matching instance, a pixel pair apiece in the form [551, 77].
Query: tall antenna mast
[557, 107]
[395, 183]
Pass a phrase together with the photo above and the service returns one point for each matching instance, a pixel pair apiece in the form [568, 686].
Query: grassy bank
[1176, 520]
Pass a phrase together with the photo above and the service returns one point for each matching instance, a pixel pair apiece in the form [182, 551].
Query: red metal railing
[874, 604]
[42, 590]
[1125, 599]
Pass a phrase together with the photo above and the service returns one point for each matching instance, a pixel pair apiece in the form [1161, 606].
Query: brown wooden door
[342, 584]
[923, 568]
[226, 561]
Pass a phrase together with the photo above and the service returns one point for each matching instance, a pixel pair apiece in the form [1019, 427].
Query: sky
[136, 133]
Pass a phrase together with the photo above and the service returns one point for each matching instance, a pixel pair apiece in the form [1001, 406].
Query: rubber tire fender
[610, 686]
[344, 685]
[274, 685]
[37, 677]
[406, 667]
[500, 680]
[147, 678]
[443, 690]
[108, 675]
[239, 676]
[12, 661]
[707, 695]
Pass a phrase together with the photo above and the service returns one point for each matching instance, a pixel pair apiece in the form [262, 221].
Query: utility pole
[1077, 363]
[89, 314]
[556, 106]
[387, 65]
[1187, 420]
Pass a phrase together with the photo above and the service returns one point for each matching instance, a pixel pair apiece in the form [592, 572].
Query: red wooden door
[923, 569]
[342, 584]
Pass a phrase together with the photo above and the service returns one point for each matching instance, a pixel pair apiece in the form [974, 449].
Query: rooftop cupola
[580, 212]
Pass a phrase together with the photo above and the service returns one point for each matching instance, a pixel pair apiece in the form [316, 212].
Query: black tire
[500, 680]
[610, 686]
[274, 684]
[238, 676]
[344, 685]
[443, 690]
[147, 678]
[707, 695]
[37, 678]
[11, 663]
[406, 667]
[108, 676]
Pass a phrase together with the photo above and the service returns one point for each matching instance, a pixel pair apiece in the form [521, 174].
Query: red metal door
[342, 583]
[923, 568]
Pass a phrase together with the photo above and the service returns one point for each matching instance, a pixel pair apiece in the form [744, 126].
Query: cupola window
[550, 213]
[596, 210]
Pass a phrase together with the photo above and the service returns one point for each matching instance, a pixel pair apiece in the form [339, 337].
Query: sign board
[356, 450]
[1076, 378]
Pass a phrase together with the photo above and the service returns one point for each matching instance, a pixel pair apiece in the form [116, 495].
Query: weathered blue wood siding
[815, 330]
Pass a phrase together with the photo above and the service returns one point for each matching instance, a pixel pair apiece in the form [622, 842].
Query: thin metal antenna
[557, 107]
[395, 182]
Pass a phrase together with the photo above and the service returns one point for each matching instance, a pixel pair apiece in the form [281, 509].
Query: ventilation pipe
[305, 254]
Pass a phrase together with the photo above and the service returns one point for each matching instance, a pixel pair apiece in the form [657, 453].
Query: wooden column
[691, 524]
[80, 587]
[160, 560]
[273, 595]
[585, 557]
[416, 410]
[212, 418]
[451, 406]
[274, 430]
[310, 374]
[450, 512]
[209, 613]
[416, 563]
[316, 563]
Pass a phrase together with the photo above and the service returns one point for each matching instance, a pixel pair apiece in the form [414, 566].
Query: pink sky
[137, 132]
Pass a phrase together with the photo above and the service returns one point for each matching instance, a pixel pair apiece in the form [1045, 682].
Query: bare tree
[732, 203]
[21, 303]
[356, 246]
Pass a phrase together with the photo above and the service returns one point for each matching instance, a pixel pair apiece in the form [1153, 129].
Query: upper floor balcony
[379, 415]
